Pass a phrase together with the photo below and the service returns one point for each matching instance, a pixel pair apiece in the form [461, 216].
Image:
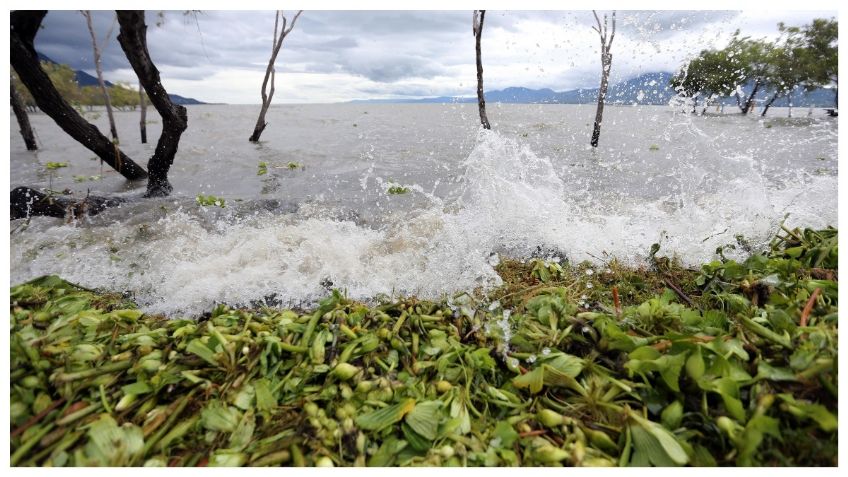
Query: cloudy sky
[332, 56]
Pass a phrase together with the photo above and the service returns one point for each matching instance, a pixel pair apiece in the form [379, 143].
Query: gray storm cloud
[221, 55]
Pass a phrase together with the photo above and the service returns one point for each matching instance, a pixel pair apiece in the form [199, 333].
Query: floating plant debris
[732, 364]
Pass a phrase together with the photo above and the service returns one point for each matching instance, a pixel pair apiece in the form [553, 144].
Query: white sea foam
[511, 201]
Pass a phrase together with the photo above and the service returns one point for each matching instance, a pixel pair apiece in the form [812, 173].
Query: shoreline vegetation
[734, 363]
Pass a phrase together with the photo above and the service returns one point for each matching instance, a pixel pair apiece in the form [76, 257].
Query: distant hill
[85, 79]
[647, 89]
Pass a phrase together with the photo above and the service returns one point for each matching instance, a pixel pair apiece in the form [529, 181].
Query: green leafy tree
[23, 93]
[751, 59]
[820, 39]
[62, 77]
[713, 73]
[790, 63]
[65, 81]
[124, 96]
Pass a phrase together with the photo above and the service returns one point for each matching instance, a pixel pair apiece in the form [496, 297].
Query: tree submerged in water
[479, 16]
[606, 34]
[270, 73]
[133, 40]
[802, 58]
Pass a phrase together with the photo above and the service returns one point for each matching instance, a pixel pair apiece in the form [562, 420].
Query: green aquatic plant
[397, 190]
[210, 200]
[533, 373]
[263, 168]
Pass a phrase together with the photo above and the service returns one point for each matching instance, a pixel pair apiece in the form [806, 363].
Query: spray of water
[512, 202]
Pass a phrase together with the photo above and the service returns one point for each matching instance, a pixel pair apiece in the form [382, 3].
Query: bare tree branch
[612, 35]
[477, 26]
[25, 25]
[270, 71]
[99, 70]
[606, 36]
[296, 16]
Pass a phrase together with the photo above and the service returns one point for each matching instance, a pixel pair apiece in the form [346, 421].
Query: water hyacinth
[732, 364]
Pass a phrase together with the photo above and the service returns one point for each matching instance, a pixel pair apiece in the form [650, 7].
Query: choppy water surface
[690, 183]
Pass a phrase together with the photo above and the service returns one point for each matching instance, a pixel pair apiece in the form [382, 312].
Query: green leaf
[459, 412]
[647, 450]
[218, 417]
[766, 371]
[565, 364]
[381, 418]
[243, 399]
[417, 441]
[695, 365]
[425, 418]
[197, 347]
[824, 418]
[109, 445]
[137, 388]
[481, 359]
[227, 458]
[265, 401]
[670, 372]
[532, 380]
[646, 359]
[728, 389]
[672, 415]
[243, 433]
[660, 445]
[553, 377]
[506, 433]
[387, 452]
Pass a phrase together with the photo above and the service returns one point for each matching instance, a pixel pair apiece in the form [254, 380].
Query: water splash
[511, 201]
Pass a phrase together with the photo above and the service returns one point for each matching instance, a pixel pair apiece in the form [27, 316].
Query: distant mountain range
[85, 79]
[646, 89]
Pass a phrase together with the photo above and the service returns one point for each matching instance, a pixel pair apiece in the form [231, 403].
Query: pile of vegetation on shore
[732, 364]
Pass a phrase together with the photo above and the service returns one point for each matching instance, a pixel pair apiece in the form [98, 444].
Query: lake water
[530, 186]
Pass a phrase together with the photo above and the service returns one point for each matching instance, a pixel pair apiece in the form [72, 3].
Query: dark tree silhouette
[23, 120]
[24, 26]
[479, 16]
[606, 64]
[99, 69]
[133, 40]
[142, 123]
[268, 95]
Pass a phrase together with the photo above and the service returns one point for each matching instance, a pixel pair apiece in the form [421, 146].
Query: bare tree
[142, 104]
[98, 67]
[479, 16]
[606, 63]
[267, 95]
[23, 120]
[24, 26]
[133, 40]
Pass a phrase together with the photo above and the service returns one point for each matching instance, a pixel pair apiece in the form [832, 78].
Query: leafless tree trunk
[99, 69]
[26, 202]
[606, 63]
[23, 120]
[479, 16]
[749, 102]
[769, 103]
[133, 40]
[142, 102]
[24, 26]
[790, 103]
[267, 95]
